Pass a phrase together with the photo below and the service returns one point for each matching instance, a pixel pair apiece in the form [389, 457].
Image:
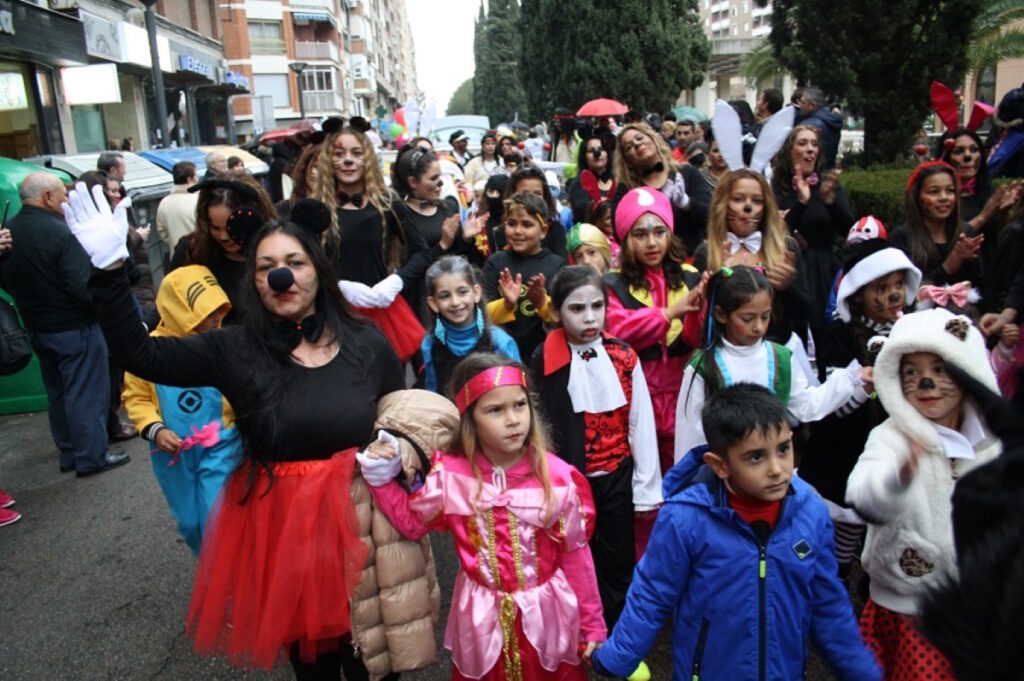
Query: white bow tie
[752, 243]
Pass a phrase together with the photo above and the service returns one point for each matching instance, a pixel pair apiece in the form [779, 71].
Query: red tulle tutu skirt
[280, 567]
[901, 650]
[400, 324]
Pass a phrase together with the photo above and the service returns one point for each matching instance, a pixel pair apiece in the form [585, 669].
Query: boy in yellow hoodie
[196, 445]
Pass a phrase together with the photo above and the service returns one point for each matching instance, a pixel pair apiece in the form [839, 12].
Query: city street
[95, 581]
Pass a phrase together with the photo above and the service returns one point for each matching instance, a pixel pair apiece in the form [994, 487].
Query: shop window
[266, 37]
[274, 85]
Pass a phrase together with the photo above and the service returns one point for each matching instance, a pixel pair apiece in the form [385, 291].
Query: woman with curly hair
[374, 255]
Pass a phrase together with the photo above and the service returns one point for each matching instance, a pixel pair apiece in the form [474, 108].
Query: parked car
[474, 126]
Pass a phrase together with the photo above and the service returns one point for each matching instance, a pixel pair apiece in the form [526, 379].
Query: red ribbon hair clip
[931, 164]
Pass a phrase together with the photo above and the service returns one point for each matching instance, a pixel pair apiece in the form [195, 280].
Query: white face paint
[582, 314]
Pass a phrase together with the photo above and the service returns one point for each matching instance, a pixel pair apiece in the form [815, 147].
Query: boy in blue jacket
[742, 554]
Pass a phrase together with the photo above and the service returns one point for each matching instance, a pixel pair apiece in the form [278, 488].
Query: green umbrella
[689, 112]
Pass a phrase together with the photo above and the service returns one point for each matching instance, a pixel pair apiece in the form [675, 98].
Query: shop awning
[322, 17]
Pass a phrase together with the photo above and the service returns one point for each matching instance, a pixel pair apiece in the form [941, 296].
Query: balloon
[400, 116]
[522, 145]
[396, 129]
[401, 140]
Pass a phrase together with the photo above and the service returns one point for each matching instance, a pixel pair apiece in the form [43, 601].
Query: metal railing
[316, 50]
[322, 102]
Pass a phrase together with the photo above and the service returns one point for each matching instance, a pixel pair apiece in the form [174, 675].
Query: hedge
[880, 192]
[877, 192]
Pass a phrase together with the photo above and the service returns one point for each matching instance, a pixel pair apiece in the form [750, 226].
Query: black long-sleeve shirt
[323, 409]
[47, 272]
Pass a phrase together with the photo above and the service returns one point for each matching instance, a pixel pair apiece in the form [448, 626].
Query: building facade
[317, 58]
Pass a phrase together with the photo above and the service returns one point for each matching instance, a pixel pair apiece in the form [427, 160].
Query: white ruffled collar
[594, 384]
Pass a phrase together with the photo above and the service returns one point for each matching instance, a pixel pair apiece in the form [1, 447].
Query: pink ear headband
[486, 381]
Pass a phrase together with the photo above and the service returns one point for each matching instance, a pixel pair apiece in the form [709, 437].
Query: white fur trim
[926, 332]
[878, 264]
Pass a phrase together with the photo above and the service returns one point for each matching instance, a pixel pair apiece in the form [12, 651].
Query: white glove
[103, 235]
[379, 472]
[387, 290]
[358, 294]
[675, 190]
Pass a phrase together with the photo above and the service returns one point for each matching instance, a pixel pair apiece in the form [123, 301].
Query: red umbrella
[602, 107]
[278, 135]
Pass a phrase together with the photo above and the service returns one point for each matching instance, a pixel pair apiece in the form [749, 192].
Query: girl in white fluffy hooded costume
[903, 482]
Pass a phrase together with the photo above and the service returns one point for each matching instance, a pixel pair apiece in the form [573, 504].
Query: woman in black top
[816, 209]
[416, 176]
[304, 377]
[939, 243]
[374, 256]
[596, 182]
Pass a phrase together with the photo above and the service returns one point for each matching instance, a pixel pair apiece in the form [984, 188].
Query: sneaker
[6, 500]
[7, 517]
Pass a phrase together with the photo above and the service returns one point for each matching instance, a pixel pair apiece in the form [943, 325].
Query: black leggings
[329, 666]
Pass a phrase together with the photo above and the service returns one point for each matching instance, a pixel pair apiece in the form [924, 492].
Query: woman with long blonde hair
[643, 159]
[374, 256]
[746, 228]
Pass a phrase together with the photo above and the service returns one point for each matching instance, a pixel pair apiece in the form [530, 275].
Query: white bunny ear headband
[729, 135]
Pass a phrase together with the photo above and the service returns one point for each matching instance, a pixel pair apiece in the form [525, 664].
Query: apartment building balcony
[322, 102]
[316, 50]
[323, 5]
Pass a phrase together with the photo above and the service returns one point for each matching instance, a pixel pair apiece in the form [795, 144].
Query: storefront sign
[94, 84]
[33, 33]
[189, 63]
[237, 79]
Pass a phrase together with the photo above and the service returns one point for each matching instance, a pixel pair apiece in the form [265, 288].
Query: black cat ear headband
[219, 183]
[336, 124]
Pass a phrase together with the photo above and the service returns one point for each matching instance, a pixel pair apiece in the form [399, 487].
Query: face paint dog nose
[439, 183]
[926, 384]
[280, 279]
[894, 297]
[748, 208]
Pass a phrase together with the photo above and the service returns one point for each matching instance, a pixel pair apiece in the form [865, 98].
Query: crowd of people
[639, 353]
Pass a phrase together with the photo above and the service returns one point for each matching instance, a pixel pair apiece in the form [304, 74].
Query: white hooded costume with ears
[909, 546]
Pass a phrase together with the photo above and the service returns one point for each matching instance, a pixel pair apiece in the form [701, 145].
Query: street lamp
[158, 76]
[298, 67]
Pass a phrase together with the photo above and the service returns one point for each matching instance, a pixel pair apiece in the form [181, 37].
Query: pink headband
[486, 381]
[635, 203]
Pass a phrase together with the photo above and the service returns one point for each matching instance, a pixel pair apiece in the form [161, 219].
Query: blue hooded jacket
[741, 611]
[831, 126]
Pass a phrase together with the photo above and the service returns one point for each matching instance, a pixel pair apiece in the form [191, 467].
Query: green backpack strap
[783, 372]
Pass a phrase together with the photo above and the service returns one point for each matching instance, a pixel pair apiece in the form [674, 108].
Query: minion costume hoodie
[211, 447]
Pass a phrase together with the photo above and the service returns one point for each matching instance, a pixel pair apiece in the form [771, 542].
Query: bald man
[216, 165]
[47, 273]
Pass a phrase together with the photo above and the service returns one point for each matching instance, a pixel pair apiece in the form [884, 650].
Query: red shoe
[6, 500]
[7, 517]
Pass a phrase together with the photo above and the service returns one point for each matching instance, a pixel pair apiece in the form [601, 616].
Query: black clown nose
[280, 279]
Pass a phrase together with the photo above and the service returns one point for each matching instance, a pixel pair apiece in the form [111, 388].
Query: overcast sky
[443, 33]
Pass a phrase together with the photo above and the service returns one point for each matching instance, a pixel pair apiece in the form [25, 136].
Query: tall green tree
[879, 56]
[497, 88]
[641, 52]
[462, 99]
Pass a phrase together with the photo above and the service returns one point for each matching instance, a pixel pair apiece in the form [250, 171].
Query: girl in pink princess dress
[525, 602]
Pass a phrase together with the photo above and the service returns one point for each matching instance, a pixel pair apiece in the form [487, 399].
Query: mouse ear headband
[948, 110]
[729, 134]
[312, 215]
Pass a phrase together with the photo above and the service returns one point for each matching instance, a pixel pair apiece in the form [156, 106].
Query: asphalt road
[94, 581]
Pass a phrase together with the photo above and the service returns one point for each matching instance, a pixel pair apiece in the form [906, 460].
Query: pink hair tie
[486, 381]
